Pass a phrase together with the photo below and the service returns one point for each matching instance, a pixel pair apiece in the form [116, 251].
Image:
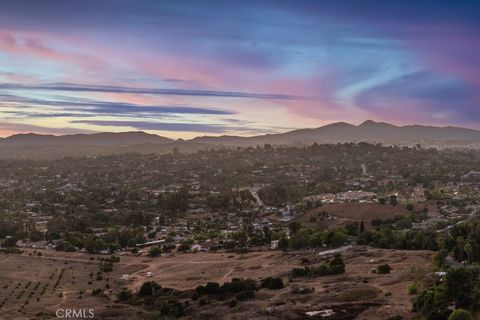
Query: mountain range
[369, 131]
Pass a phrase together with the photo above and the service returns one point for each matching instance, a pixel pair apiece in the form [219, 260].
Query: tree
[299, 239]
[432, 304]
[337, 265]
[283, 243]
[267, 233]
[383, 269]
[460, 314]
[149, 288]
[272, 283]
[440, 258]
[362, 227]
[294, 227]
[154, 251]
[10, 242]
[183, 247]
[393, 200]
[242, 242]
[459, 284]
[124, 294]
[468, 251]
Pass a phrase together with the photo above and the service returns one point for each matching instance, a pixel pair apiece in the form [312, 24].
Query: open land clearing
[356, 294]
[345, 213]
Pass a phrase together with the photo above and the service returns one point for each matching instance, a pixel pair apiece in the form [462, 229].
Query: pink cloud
[30, 46]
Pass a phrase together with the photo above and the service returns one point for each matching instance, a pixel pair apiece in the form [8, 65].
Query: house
[151, 243]
[274, 244]
[196, 247]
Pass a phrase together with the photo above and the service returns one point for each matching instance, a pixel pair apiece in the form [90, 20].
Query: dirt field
[33, 287]
[345, 213]
[365, 295]
[357, 294]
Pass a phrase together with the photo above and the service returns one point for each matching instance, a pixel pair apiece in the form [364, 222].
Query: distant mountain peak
[367, 123]
[374, 124]
[94, 139]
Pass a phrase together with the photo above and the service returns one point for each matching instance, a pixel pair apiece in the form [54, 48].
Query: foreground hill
[356, 294]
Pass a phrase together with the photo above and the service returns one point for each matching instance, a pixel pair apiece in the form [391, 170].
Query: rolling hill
[47, 146]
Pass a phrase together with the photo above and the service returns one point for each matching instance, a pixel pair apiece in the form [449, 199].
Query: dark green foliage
[335, 266]
[460, 314]
[96, 292]
[383, 269]
[149, 288]
[172, 308]
[238, 285]
[242, 289]
[124, 295]
[209, 288]
[432, 304]
[459, 285]
[459, 288]
[233, 303]
[283, 243]
[154, 251]
[272, 283]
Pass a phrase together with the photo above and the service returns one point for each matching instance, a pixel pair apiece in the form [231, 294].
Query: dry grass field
[33, 287]
[345, 213]
[359, 293]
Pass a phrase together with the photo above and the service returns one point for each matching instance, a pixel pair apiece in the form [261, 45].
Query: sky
[191, 68]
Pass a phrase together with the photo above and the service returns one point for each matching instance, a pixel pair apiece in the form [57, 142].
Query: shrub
[212, 288]
[335, 266]
[245, 295]
[203, 300]
[243, 289]
[237, 285]
[124, 295]
[272, 283]
[183, 247]
[233, 303]
[383, 269]
[96, 292]
[460, 314]
[148, 288]
[412, 288]
[172, 308]
[154, 251]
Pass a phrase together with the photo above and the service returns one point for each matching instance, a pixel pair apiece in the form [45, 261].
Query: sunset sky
[190, 68]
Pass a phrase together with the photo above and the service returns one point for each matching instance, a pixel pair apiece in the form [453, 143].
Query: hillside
[49, 146]
[369, 131]
[96, 139]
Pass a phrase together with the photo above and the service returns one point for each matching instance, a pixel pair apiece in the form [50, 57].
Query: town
[256, 200]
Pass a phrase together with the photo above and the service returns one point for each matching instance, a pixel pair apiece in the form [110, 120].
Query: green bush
[335, 266]
[412, 288]
[148, 288]
[243, 289]
[233, 303]
[272, 283]
[172, 308]
[124, 294]
[460, 314]
[96, 292]
[154, 251]
[383, 269]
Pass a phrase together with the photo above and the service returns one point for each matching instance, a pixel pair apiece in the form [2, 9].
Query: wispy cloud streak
[152, 91]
